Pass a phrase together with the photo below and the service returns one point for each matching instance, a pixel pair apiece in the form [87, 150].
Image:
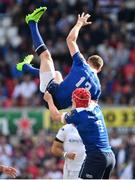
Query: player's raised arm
[55, 114]
[73, 35]
[64, 117]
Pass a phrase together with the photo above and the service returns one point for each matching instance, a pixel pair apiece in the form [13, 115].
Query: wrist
[64, 154]
[63, 117]
[79, 23]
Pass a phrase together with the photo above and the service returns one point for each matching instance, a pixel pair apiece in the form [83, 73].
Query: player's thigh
[46, 63]
[107, 172]
[93, 167]
[110, 166]
[45, 79]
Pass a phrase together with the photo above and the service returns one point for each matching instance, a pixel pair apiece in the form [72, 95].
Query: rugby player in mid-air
[89, 121]
[83, 73]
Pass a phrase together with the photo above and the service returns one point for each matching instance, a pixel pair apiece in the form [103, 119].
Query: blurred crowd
[32, 157]
[111, 35]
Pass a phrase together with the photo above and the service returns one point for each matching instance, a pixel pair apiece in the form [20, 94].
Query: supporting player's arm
[69, 118]
[54, 112]
[73, 35]
[10, 171]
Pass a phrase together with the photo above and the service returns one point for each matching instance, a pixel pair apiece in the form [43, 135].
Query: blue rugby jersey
[80, 76]
[91, 127]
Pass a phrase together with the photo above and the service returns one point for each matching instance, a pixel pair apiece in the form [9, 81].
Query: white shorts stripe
[45, 78]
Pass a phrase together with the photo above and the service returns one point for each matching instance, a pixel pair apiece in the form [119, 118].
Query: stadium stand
[111, 35]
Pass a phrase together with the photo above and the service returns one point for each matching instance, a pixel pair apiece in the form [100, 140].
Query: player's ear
[73, 104]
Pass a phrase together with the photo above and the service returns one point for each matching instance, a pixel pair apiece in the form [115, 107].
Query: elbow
[54, 150]
[70, 39]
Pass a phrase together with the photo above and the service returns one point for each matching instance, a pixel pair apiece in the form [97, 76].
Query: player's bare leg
[47, 70]
[58, 77]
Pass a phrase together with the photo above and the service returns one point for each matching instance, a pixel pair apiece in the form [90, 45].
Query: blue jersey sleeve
[78, 59]
[72, 117]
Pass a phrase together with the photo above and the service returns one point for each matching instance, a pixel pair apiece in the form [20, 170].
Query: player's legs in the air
[47, 70]
[25, 66]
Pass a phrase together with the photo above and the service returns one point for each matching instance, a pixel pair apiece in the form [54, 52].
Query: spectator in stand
[129, 172]
[132, 55]
[25, 90]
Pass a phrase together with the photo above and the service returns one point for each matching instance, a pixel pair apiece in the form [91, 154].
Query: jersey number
[100, 125]
[87, 84]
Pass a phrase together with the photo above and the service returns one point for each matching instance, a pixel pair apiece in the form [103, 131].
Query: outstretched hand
[83, 19]
[10, 171]
[71, 156]
[47, 96]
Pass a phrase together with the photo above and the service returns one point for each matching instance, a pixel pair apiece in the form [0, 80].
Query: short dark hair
[96, 61]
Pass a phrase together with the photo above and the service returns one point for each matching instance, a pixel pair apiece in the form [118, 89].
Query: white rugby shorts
[45, 78]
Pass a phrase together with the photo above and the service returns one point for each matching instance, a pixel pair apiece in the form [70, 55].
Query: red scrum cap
[82, 97]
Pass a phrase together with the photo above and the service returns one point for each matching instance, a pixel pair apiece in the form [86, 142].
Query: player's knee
[58, 76]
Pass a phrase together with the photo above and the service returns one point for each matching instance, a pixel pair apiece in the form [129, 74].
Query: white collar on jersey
[94, 70]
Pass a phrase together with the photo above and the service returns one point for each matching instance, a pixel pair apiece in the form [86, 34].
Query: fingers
[87, 16]
[87, 23]
[46, 92]
[11, 172]
[73, 155]
[83, 15]
[83, 19]
[13, 175]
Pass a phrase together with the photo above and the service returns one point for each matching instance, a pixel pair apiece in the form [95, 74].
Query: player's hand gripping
[83, 19]
[10, 171]
[47, 96]
[71, 156]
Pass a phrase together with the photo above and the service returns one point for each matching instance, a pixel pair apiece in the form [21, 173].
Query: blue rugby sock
[31, 69]
[38, 42]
